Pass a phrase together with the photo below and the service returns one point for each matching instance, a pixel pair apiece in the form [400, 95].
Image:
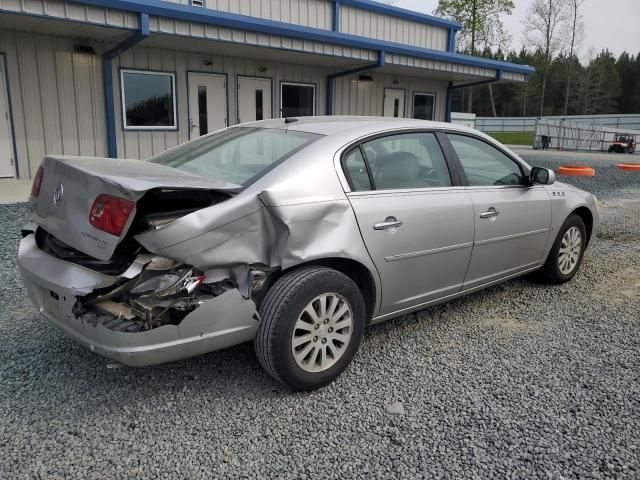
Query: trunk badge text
[58, 194]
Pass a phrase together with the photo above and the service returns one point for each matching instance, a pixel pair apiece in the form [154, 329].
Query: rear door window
[356, 170]
[410, 160]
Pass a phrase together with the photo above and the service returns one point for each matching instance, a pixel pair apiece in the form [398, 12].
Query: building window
[148, 100]
[197, 3]
[297, 99]
[424, 106]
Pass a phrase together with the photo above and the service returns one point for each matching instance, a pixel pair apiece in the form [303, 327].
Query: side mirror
[542, 176]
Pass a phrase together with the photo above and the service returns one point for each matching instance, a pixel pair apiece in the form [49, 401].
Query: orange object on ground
[576, 171]
[629, 167]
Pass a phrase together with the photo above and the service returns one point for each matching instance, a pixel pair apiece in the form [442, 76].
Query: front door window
[485, 165]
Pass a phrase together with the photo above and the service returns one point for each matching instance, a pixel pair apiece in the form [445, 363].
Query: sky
[612, 24]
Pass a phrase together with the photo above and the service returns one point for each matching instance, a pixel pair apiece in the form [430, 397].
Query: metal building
[179, 69]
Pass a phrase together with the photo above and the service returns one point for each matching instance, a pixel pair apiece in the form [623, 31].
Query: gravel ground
[519, 381]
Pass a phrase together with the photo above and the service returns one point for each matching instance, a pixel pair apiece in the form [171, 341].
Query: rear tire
[323, 312]
[566, 253]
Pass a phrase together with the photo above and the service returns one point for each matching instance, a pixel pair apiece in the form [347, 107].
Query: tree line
[563, 84]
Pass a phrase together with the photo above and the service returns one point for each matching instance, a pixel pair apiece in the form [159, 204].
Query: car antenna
[287, 119]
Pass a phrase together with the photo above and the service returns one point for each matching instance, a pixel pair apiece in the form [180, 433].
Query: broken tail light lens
[37, 182]
[110, 214]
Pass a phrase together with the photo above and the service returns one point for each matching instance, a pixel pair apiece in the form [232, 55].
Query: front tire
[312, 323]
[567, 252]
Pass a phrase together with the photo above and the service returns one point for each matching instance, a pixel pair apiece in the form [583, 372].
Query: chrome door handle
[389, 222]
[492, 212]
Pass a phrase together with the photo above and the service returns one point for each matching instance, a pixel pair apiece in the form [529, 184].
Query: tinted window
[148, 100]
[357, 171]
[411, 160]
[484, 164]
[297, 100]
[423, 106]
[235, 155]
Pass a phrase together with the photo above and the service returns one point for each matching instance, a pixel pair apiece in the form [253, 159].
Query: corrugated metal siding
[366, 98]
[310, 13]
[516, 77]
[415, 62]
[211, 32]
[56, 97]
[384, 27]
[144, 144]
[72, 11]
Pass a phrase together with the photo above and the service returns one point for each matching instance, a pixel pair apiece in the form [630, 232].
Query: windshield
[236, 155]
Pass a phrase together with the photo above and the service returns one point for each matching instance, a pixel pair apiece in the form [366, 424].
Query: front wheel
[312, 323]
[566, 254]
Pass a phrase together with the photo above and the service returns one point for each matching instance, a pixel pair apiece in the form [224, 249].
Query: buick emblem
[58, 194]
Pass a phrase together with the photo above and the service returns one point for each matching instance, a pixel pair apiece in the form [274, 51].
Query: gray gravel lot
[519, 381]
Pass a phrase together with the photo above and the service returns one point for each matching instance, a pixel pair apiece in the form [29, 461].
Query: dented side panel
[281, 221]
[262, 234]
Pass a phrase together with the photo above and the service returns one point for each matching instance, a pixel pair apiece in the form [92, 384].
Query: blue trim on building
[10, 119]
[107, 80]
[331, 78]
[402, 13]
[451, 41]
[453, 87]
[231, 20]
[336, 16]
[448, 104]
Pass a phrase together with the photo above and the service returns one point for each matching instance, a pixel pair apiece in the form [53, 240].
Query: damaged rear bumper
[55, 286]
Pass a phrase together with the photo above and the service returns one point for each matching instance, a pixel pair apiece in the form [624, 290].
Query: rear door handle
[389, 222]
[492, 212]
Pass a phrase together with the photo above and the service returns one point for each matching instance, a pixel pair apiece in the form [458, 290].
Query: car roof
[329, 125]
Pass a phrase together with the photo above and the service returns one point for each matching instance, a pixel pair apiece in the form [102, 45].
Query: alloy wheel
[570, 250]
[322, 332]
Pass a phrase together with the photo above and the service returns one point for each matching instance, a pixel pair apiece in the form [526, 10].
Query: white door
[7, 168]
[207, 103]
[393, 103]
[254, 99]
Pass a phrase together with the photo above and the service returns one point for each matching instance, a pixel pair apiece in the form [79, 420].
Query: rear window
[236, 155]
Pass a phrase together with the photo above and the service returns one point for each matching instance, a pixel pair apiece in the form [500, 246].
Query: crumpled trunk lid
[71, 184]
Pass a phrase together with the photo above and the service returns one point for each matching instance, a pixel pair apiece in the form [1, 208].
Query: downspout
[336, 15]
[451, 41]
[107, 79]
[453, 87]
[449, 106]
[332, 77]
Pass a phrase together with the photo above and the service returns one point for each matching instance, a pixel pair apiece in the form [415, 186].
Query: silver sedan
[294, 234]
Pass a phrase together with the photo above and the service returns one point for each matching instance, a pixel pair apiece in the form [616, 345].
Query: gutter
[107, 79]
[332, 77]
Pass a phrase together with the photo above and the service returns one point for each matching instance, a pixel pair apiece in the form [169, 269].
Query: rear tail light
[110, 214]
[37, 182]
